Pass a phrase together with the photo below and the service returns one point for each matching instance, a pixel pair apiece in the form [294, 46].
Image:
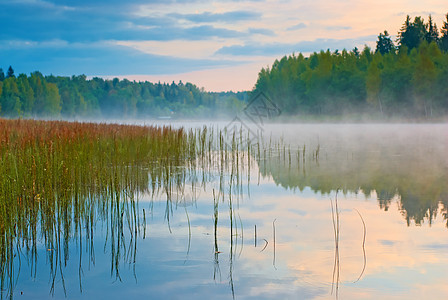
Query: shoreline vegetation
[406, 81]
[76, 97]
[59, 180]
[402, 81]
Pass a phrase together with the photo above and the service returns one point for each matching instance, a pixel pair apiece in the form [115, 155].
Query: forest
[406, 79]
[76, 97]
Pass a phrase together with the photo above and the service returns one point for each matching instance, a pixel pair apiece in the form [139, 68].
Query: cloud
[283, 48]
[61, 36]
[83, 3]
[39, 22]
[201, 32]
[297, 27]
[338, 28]
[227, 17]
[61, 58]
[262, 31]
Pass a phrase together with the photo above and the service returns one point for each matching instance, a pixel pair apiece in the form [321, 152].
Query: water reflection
[405, 164]
[66, 211]
[220, 225]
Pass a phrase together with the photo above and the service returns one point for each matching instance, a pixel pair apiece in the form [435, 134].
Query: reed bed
[58, 178]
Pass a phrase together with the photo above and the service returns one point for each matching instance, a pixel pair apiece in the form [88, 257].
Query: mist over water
[233, 224]
[404, 161]
[323, 178]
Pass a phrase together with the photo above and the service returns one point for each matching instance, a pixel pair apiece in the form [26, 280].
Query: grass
[58, 178]
[336, 227]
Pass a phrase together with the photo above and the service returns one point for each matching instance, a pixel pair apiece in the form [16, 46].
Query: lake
[316, 211]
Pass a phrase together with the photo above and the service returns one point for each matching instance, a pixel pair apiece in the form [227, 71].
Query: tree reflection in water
[54, 196]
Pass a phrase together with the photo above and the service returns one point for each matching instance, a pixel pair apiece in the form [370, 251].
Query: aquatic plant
[57, 179]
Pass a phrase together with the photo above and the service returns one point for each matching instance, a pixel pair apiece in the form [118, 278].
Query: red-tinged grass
[58, 178]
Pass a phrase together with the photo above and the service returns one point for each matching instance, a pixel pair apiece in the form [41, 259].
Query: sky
[218, 45]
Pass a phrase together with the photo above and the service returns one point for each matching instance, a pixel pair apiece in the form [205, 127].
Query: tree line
[74, 97]
[407, 78]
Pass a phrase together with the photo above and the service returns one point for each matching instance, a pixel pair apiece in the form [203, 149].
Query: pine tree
[403, 33]
[2, 75]
[10, 72]
[444, 37]
[355, 51]
[412, 33]
[384, 44]
[432, 34]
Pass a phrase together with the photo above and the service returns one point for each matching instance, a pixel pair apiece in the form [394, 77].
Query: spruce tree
[432, 34]
[355, 51]
[384, 44]
[412, 33]
[444, 38]
[10, 72]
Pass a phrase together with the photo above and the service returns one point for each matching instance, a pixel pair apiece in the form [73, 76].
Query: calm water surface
[270, 228]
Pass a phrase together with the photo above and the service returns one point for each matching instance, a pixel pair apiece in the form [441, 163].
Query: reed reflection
[60, 180]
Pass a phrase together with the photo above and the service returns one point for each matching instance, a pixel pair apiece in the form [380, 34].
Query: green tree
[318, 83]
[355, 52]
[440, 88]
[2, 75]
[432, 33]
[37, 82]
[423, 80]
[396, 76]
[1, 91]
[384, 44]
[72, 100]
[373, 85]
[10, 101]
[52, 103]
[10, 72]
[26, 94]
[67, 102]
[412, 33]
[86, 95]
[347, 84]
[444, 37]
